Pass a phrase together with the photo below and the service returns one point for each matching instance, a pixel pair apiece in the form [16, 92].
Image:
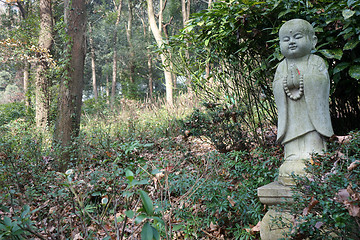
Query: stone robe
[309, 113]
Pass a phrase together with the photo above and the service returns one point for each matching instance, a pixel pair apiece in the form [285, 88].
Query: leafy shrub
[11, 111]
[221, 125]
[232, 50]
[328, 200]
[224, 195]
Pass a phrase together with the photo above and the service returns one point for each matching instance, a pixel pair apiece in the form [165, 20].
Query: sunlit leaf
[354, 72]
[129, 175]
[129, 213]
[147, 203]
[140, 218]
[347, 13]
[351, 44]
[332, 53]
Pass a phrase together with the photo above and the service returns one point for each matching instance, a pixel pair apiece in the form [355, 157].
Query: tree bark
[129, 38]
[26, 83]
[185, 10]
[149, 62]
[93, 66]
[114, 74]
[41, 80]
[71, 86]
[159, 40]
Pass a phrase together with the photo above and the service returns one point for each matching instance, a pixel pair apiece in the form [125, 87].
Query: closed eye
[298, 36]
[286, 39]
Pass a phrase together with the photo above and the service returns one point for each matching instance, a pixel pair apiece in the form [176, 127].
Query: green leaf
[129, 213]
[147, 203]
[177, 227]
[156, 234]
[26, 211]
[129, 175]
[7, 221]
[354, 71]
[351, 44]
[332, 53]
[140, 218]
[142, 182]
[340, 67]
[159, 220]
[347, 13]
[147, 232]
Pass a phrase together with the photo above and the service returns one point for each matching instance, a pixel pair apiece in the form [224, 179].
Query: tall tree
[149, 58]
[129, 38]
[160, 41]
[115, 57]
[71, 87]
[93, 67]
[41, 79]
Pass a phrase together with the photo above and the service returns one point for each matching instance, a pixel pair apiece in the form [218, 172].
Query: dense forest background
[130, 119]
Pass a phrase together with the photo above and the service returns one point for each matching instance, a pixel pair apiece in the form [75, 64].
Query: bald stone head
[297, 38]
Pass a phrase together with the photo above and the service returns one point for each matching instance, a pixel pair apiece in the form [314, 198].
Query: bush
[233, 51]
[328, 200]
[11, 111]
[221, 125]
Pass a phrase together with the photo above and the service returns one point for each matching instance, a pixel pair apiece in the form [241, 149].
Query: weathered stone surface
[275, 225]
[274, 193]
[301, 90]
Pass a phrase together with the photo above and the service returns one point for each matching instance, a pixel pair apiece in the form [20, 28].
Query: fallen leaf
[256, 228]
[78, 237]
[353, 165]
[318, 225]
[213, 227]
[232, 202]
[312, 203]
[342, 195]
[354, 210]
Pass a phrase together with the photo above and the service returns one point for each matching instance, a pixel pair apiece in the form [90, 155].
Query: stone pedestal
[275, 223]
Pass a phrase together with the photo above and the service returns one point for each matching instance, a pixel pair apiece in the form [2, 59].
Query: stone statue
[301, 88]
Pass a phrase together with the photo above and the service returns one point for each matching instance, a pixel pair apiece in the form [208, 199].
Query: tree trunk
[93, 68]
[71, 87]
[149, 62]
[150, 73]
[41, 80]
[159, 40]
[114, 74]
[129, 38]
[26, 83]
[107, 86]
[185, 10]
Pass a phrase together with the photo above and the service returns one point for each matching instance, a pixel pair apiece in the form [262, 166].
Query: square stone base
[275, 193]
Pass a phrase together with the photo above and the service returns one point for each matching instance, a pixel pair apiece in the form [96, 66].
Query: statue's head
[297, 38]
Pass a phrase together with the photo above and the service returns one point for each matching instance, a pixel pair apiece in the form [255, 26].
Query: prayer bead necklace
[301, 88]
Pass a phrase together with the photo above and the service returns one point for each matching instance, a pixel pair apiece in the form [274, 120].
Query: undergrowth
[138, 176]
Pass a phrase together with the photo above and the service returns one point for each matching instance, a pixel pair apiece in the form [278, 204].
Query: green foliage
[11, 111]
[231, 51]
[221, 124]
[223, 193]
[17, 227]
[328, 199]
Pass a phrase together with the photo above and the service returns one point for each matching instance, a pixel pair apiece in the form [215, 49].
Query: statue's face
[295, 42]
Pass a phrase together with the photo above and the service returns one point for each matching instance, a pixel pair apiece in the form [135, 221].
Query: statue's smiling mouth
[292, 47]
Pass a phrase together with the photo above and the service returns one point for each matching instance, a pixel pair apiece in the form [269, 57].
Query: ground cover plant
[329, 197]
[130, 181]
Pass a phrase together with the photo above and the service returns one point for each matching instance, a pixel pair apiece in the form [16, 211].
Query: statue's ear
[314, 41]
